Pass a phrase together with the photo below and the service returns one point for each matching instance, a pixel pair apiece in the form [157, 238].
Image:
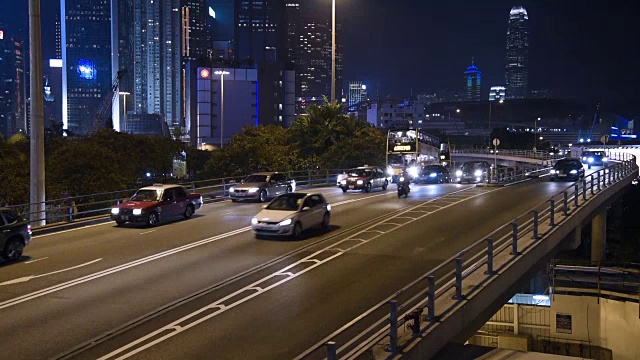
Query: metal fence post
[458, 295]
[117, 197]
[309, 178]
[584, 189]
[393, 326]
[535, 224]
[489, 257]
[576, 190]
[565, 205]
[552, 212]
[331, 350]
[514, 239]
[598, 180]
[591, 184]
[431, 298]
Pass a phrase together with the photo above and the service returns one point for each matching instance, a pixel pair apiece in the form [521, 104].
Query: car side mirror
[306, 208]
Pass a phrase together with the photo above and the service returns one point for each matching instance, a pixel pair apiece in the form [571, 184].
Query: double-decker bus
[411, 149]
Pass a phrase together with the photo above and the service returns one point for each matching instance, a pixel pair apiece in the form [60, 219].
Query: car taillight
[29, 228]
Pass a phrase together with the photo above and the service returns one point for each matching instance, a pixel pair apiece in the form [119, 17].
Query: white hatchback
[290, 214]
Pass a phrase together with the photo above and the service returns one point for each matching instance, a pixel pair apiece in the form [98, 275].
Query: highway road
[206, 288]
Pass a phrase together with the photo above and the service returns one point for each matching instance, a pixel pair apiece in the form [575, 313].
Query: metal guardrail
[537, 154]
[406, 306]
[74, 208]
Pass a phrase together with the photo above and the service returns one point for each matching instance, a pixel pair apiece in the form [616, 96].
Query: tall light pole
[222, 73]
[124, 118]
[501, 101]
[333, 50]
[535, 134]
[36, 159]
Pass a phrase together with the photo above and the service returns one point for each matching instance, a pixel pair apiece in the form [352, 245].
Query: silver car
[290, 214]
[261, 186]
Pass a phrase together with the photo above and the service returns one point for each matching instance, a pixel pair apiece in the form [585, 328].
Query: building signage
[563, 323]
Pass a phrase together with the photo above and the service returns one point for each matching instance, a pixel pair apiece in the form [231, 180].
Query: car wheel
[325, 220]
[344, 190]
[13, 250]
[120, 222]
[263, 196]
[384, 186]
[289, 189]
[297, 230]
[153, 219]
[367, 188]
[188, 212]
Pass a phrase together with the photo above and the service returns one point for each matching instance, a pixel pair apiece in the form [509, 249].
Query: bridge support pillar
[574, 239]
[599, 236]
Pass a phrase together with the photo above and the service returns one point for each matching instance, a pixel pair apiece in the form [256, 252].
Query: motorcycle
[403, 186]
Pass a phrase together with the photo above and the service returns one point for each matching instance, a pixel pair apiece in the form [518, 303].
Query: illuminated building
[357, 92]
[12, 85]
[473, 82]
[497, 93]
[516, 74]
[89, 65]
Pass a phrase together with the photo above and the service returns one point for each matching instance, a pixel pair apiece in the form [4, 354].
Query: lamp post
[124, 118]
[222, 73]
[333, 50]
[501, 101]
[535, 134]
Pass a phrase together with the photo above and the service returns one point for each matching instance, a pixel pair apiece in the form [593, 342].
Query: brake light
[29, 228]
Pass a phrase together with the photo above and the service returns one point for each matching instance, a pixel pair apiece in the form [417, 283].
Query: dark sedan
[567, 169]
[433, 174]
[15, 234]
[592, 157]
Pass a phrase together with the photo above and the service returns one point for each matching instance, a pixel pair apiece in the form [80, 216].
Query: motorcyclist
[403, 183]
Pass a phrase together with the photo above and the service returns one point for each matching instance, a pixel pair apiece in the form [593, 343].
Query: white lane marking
[27, 278]
[131, 264]
[147, 232]
[178, 327]
[35, 260]
[69, 230]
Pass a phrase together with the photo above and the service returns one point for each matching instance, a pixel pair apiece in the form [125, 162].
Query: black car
[569, 169]
[15, 234]
[592, 157]
[473, 172]
[433, 174]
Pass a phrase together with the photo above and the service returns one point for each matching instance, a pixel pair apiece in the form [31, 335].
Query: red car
[152, 204]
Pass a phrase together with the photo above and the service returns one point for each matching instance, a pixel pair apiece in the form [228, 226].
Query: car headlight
[573, 172]
[478, 173]
[390, 171]
[137, 211]
[254, 220]
[328, 207]
[553, 171]
[401, 178]
[458, 173]
[433, 175]
[252, 190]
[590, 160]
[115, 211]
[413, 171]
[605, 159]
[551, 153]
[359, 182]
[284, 222]
[343, 182]
[232, 189]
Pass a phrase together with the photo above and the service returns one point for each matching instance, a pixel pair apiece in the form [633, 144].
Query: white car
[290, 214]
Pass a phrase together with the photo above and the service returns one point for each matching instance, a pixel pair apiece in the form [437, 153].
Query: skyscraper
[516, 74]
[12, 85]
[357, 92]
[260, 30]
[157, 59]
[473, 82]
[87, 37]
[125, 51]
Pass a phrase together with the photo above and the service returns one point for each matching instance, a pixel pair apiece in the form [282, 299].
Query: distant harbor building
[517, 62]
[391, 113]
[473, 82]
[497, 93]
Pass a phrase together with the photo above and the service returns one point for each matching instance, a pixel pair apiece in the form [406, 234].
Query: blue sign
[86, 69]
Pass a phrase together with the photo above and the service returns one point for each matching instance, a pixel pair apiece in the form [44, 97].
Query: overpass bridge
[190, 289]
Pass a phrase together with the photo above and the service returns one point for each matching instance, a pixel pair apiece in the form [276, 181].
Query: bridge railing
[532, 154]
[79, 207]
[408, 305]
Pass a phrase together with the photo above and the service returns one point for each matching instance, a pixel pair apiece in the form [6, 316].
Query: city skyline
[570, 45]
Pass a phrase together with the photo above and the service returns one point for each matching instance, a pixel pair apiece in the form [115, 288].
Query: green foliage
[14, 173]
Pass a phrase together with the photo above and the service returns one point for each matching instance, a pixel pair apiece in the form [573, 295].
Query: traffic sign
[604, 139]
[496, 142]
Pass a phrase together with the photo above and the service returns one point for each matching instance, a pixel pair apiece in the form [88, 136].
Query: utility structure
[106, 106]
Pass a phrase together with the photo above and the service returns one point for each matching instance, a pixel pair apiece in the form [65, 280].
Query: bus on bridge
[410, 148]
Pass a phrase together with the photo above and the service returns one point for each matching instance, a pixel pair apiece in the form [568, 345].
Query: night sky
[582, 49]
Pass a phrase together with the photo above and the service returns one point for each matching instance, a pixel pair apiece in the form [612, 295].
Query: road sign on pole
[496, 142]
[604, 139]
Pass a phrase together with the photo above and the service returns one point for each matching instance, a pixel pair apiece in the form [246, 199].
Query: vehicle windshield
[147, 195]
[255, 179]
[472, 166]
[431, 168]
[568, 164]
[594, 153]
[287, 202]
[359, 172]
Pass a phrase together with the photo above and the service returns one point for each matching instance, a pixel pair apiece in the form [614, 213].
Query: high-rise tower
[473, 82]
[516, 74]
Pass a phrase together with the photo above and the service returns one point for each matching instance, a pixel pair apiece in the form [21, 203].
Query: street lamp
[535, 134]
[501, 101]
[222, 73]
[124, 119]
[333, 50]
